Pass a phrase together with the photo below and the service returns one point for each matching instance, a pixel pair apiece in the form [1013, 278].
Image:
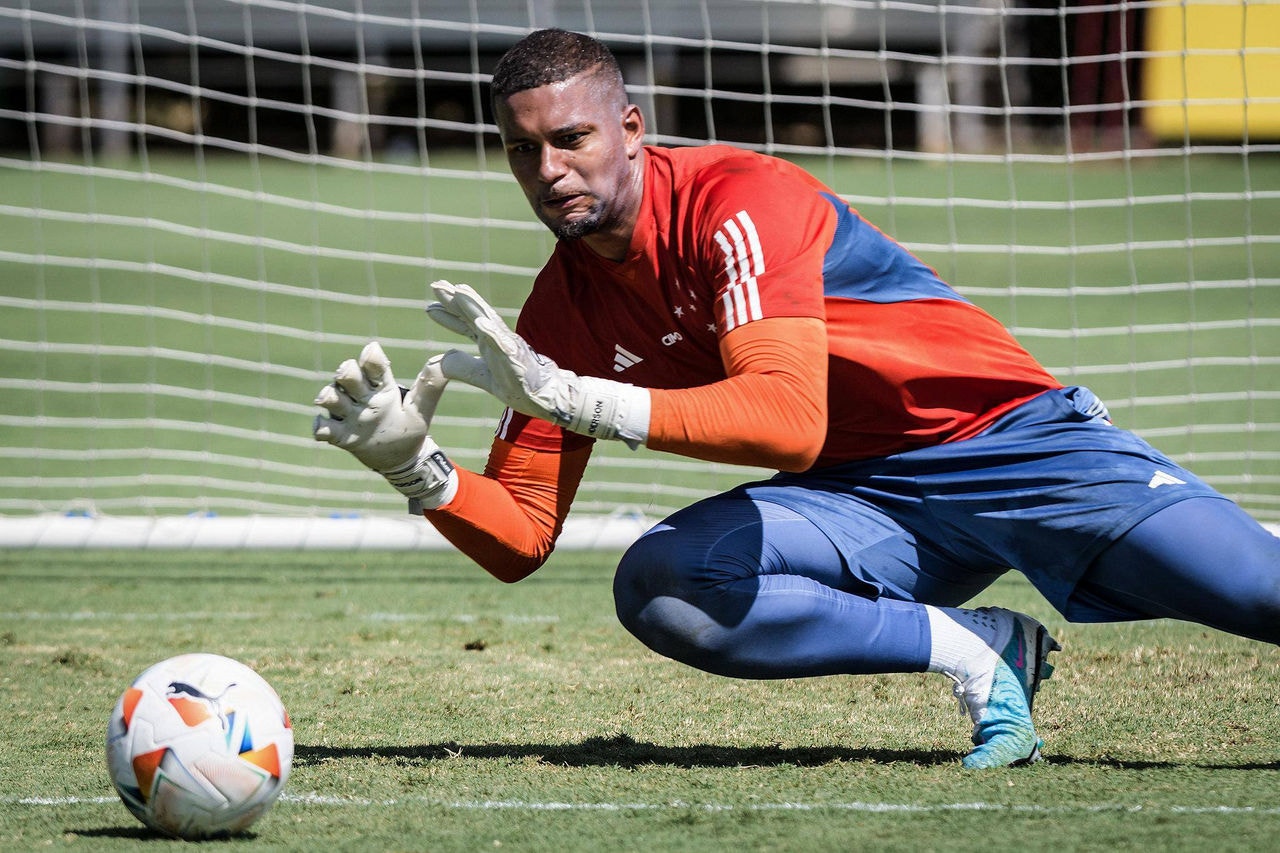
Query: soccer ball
[199, 746]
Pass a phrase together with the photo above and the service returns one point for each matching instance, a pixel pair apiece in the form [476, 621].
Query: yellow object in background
[1213, 70]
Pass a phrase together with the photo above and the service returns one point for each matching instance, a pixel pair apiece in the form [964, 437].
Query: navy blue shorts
[1043, 491]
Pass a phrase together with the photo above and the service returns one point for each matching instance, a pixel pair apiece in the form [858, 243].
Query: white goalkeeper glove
[385, 426]
[531, 383]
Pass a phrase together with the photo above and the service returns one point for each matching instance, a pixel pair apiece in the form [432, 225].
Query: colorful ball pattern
[199, 746]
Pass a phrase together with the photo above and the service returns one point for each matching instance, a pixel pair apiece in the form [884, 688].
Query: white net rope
[205, 205]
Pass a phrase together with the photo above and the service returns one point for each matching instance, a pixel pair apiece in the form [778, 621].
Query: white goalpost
[206, 205]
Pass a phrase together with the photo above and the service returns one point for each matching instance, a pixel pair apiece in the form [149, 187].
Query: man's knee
[637, 579]
[1241, 560]
[1262, 613]
[675, 600]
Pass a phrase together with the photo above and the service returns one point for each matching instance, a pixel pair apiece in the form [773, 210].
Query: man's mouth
[560, 203]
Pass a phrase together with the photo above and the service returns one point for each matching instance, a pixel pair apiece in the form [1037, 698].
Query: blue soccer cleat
[998, 692]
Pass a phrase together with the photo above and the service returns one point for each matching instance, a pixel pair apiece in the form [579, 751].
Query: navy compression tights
[1200, 560]
[754, 590]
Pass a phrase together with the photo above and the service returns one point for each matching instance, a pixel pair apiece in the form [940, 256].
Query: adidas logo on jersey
[622, 359]
[1160, 478]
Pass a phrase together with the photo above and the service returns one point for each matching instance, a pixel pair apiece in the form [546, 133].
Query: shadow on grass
[142, 833]
[622, 751]
[1113, 763]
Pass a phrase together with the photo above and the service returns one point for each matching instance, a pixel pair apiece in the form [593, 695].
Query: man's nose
[551, 164]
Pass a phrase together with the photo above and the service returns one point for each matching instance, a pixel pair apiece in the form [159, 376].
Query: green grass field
[436, 710]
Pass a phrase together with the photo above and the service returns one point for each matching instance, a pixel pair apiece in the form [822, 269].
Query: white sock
[958, 636]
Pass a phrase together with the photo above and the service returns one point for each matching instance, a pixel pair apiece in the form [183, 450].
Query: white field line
[205, 615]
[328, 801]
[109, 616]
[510, 618]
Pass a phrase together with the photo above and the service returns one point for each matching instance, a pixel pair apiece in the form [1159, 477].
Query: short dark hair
[552, 56]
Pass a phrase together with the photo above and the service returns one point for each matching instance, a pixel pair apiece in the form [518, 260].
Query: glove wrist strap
[429, 479]
[610, 410]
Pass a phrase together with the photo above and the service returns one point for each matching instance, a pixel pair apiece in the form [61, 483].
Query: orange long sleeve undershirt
[770, 411]
[507, 519]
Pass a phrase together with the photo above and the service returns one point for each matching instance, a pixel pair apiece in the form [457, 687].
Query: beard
[578, 228]
[588, 223]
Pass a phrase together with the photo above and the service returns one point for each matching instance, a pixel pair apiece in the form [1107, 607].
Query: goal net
[206, 205]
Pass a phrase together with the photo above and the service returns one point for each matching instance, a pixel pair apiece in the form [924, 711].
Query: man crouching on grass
[726, 306]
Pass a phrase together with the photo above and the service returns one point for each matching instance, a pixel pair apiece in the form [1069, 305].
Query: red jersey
[725, 238]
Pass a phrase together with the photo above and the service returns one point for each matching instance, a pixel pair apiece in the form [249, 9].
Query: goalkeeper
[726, 306]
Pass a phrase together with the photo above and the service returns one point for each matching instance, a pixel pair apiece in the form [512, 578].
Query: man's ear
[633, 129]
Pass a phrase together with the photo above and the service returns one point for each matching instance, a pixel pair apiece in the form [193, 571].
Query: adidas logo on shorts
[1160, 478]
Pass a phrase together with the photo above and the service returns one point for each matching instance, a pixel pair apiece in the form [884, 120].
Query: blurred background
[395, 76]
